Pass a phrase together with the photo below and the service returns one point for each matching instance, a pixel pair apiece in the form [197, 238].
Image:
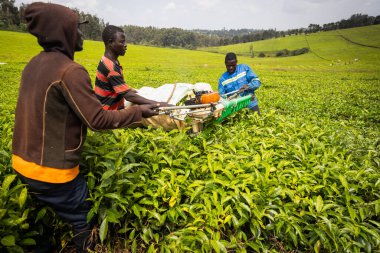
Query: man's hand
[164, 104]
[148, 110]
[243, 88]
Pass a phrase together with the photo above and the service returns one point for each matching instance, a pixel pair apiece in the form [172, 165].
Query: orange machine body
[211, 97]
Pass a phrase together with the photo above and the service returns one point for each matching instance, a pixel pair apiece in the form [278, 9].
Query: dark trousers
[256, 109]
[69, 201]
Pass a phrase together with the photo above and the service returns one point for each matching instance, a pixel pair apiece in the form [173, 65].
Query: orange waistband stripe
[42, 173]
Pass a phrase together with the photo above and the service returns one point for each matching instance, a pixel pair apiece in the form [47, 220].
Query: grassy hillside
[330, 45]
[144, 65]
[369, 35]
[301, 177]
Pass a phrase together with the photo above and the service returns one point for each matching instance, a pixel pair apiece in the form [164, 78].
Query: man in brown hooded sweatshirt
[55, 106]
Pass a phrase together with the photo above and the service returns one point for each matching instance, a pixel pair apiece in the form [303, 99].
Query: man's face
[79, 42]
[231, 66]
[118, 45]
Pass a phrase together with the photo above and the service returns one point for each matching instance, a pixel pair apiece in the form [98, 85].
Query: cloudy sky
[219, 14]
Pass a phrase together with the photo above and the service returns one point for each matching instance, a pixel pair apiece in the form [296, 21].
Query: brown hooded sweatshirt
[56, 102]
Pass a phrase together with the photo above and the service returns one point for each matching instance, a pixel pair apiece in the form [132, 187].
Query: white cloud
[88, 3]
[170, 6]
[90, 6]
[109, 8]
[206, 4]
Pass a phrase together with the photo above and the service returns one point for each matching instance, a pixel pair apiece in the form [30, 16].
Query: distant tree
[235, 40]
[21, 11]
[9, 14]
[299, 51]
[376, 21]
[284, 52]
[261, 54]
[93, 30]
[312, 28]
[359, 19]
[329, 27]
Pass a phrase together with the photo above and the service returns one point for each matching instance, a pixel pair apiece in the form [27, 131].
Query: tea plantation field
[304, 176]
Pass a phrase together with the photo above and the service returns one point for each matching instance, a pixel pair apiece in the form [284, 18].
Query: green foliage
[281, 178]
[303, 176]
[14, 227]
[286, 52]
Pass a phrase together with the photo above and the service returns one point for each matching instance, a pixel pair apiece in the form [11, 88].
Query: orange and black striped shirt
[110, 86]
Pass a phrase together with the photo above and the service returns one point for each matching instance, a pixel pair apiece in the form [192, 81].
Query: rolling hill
[335, 46]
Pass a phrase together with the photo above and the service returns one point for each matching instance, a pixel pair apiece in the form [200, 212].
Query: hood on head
[55, 26]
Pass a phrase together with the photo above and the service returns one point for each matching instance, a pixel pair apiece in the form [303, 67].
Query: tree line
[11, 18]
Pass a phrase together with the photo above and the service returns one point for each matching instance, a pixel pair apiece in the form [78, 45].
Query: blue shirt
[242, 75]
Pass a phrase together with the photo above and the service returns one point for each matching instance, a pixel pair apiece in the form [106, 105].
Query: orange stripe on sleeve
[101, 77]
[104, 93]
[117, 106]
[113, 73]
[121, 88]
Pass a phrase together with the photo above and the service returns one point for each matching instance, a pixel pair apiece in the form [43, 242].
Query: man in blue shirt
[239, 78]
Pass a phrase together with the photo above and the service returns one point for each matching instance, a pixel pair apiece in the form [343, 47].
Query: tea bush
[279, 184]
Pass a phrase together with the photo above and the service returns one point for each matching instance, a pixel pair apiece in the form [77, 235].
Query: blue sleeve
[221, 89]
[254, 81]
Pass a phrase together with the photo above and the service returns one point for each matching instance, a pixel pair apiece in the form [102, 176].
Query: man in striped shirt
[110, 87]
[239, 78]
